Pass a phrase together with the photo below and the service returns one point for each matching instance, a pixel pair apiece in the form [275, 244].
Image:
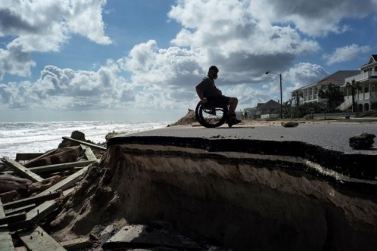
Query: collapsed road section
[233, 193]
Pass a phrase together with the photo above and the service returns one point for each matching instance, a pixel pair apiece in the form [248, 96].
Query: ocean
[39, 137]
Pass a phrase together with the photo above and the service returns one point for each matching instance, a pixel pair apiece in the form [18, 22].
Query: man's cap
[213, 68]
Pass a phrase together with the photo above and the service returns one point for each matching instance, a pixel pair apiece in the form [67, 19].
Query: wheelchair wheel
[211, 116]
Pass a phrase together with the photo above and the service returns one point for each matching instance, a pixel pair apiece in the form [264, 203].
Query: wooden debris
[67, 182]
[142, 236]
[12, 218]
[34, 199]
[9, 196]
[77, 244]
[17, 210]
[22, 248]
[44, 209]
[60, 167]
[39, 240]
[27, 156]
[86, 143]
[42, 156]
[23, 171]
[88, 153]
[10, 182]
[6, 243]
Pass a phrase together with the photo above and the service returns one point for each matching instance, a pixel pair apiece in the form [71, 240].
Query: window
[366, 89]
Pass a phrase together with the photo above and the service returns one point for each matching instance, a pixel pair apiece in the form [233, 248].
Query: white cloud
[69, 89]
[244, 38]
[226, 33]
[315, 18]
[346, 53]
[14, 61]
[149, 65]
[45, 25]
[300, 75]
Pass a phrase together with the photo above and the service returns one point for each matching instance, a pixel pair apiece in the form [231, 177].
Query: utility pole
[281, 96]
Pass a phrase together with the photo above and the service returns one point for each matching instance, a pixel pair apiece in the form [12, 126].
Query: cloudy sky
[127, 60]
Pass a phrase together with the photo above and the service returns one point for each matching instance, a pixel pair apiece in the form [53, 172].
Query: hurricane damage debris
[33, 188]
[363, 141]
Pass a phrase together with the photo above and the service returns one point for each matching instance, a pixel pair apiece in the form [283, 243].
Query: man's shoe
[233, 121]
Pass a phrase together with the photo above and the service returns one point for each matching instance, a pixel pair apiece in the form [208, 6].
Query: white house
[363, 86]
[309, 93]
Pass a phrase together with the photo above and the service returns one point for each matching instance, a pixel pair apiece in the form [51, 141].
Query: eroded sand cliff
[242, 201]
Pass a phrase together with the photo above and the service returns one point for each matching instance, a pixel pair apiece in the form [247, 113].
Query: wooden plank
[39, 240]
[23, 171]
[27, 156]
[34, 199]
[83, 243]
[6, 243]
[12, 218]
[9, 196]
[86, 143]
[66, 183]
[88, 153]
[44, 209]
[60, 167]
[19, 209]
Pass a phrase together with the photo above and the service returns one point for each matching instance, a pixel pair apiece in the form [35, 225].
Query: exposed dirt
[236, 204]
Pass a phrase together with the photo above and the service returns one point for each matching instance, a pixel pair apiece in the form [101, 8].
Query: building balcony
[363, 76]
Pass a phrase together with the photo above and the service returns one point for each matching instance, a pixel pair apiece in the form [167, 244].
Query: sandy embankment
[237, 202]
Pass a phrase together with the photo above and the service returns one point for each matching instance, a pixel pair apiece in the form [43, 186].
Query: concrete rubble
[363, 141]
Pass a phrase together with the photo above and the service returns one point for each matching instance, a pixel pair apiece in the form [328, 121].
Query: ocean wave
[43, 136]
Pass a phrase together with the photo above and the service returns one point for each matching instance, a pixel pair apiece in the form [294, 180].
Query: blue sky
[139, 60]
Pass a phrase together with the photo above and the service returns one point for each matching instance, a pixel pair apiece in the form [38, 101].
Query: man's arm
[200, 90]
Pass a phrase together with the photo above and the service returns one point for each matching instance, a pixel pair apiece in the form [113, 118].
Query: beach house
[309, 93]
[361, 89]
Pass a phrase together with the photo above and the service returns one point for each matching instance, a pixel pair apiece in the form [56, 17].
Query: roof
[270, 106]
[372, 60]
[336, 78]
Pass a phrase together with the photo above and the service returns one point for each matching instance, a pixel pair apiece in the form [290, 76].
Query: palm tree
[333, 94]
[355, 85]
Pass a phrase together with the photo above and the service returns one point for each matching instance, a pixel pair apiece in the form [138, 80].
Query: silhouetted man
[208, 92]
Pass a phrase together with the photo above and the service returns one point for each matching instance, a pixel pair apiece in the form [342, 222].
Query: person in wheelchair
[208, 92]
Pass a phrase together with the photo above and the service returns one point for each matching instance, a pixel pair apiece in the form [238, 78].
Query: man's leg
[232, 106]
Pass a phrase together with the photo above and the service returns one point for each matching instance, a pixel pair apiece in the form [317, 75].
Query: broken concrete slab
[289, 124]
[363, 141]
